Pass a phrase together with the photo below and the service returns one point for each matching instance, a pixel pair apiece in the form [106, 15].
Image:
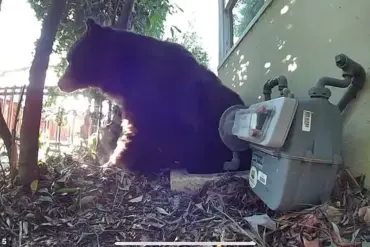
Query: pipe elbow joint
[282, 82]
[269, 85]
[352, 69]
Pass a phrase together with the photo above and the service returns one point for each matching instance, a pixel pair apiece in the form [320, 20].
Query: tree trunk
[5, 135]
[109, 118]
[13, 161]
[98, 123]
[28, 157]
[123, 21]
[73, 127]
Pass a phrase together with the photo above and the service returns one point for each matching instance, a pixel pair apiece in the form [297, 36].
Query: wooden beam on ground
[182, 181]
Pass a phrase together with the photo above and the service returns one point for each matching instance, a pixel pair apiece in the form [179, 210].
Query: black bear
[173, 102]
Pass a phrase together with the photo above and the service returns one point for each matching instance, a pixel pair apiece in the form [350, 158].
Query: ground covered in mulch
[82, 204]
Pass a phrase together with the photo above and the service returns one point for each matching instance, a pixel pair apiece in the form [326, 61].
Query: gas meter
[296, 143]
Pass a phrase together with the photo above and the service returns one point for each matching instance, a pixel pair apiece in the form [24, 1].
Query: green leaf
[67, 190]
[45, 199]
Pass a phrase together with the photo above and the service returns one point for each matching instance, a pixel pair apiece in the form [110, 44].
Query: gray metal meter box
[296, 150]
[296, 143]
[266, 123]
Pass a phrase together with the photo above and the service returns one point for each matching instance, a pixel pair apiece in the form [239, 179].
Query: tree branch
[123, 21]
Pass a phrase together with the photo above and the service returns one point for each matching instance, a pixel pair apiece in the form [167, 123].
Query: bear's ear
[91, 25]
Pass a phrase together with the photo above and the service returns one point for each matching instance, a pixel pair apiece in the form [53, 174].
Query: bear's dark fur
[173, 102]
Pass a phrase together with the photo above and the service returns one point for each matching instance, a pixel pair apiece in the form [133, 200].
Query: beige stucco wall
[301, 44]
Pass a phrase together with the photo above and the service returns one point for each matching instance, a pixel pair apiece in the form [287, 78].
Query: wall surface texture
[299, 39]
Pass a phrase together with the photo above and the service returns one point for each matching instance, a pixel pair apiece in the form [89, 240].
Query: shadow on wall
[298, 39]
[240, 68]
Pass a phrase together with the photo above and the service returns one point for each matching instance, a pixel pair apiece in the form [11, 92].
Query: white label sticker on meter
[306, 121]
[262, 177]
[253, 177]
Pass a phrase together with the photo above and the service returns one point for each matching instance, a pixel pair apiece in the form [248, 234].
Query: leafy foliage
[191, 41]
[243, 13]
[147, 18]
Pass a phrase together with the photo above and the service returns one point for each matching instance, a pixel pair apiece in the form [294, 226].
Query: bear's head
[90, 60]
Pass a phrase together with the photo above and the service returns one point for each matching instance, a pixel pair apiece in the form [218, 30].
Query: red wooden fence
[9, 108]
